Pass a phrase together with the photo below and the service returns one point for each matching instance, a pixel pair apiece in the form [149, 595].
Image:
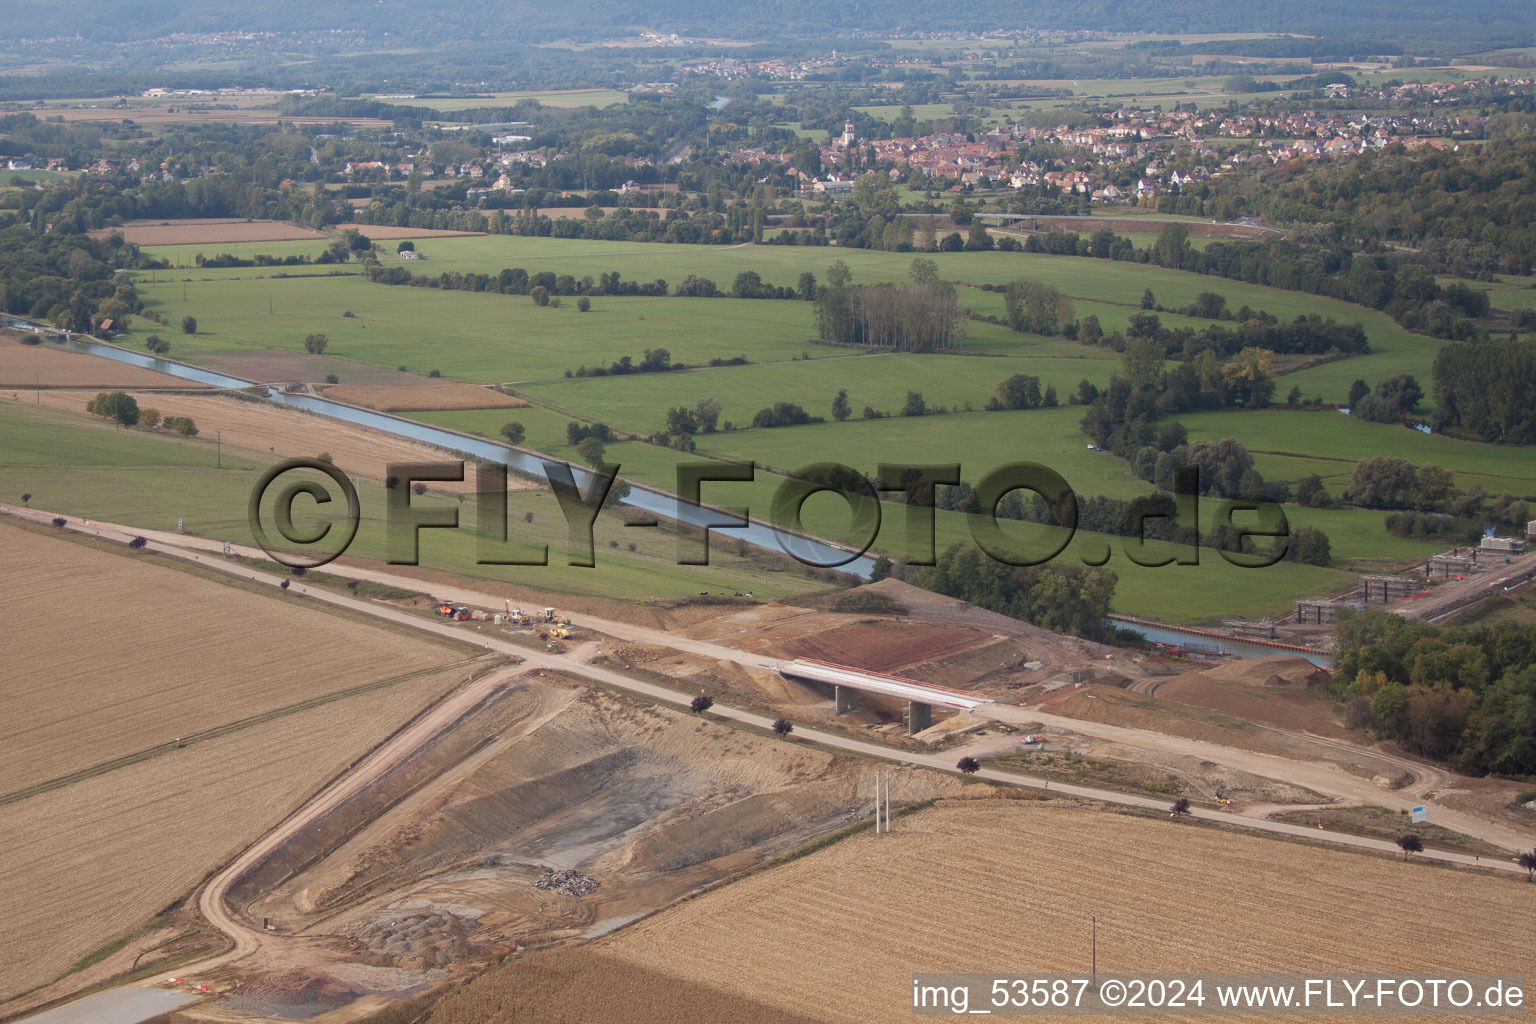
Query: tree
[1148, 300]
[157, 344]
[1037, 308]
[1409, 843]
[702, 703]
[539, 294]
[591, 451]
[325, 457]
[968, 765]
[881, 569]
[315, 344]
[806, 287]
[514, 432]
[1527, 860]
[1089, 332]
[118, 405]
[1172, 246]
[783, 727]
[26, 499]
[420, 488]
[682, 420]
[189, 325]
[977, 239]
[1020, 391]
[915, 405]
[1358, 390]
[60, 522]
[1180, 806]
[583, 304]
[406, 246]
[707, 410]
[137, 543]
[841, 409]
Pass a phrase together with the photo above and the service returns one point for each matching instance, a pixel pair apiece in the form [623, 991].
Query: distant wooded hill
[1422, 22]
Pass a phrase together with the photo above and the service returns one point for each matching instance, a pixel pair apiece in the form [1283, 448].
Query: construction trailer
[1504, 545]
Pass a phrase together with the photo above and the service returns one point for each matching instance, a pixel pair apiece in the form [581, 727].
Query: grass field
[103, 475]
[1288, 445]
[508, 339]
[421, 315]
[173, 718]
[1019, 880]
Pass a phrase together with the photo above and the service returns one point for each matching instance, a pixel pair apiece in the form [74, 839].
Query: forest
[1487, 390]
[1465, 695]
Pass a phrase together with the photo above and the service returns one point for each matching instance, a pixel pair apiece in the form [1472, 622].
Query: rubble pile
[566, 883]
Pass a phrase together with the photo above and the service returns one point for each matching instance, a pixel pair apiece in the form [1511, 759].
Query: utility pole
[55, 447]
[1095, 975]
[219, 441]
[269, 303]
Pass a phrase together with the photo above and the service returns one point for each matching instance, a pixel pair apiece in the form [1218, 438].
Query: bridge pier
[844, 699]
[919, 717]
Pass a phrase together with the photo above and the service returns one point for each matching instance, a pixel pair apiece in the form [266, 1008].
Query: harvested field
[387, 232]
[265, 429]
[89, 862]
[206, 230]
[557, 988]
[1018, 880]
[121, 654]
[427, 397]
[51, 366]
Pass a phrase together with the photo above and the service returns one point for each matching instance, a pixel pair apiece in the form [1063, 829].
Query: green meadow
[510, 340]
